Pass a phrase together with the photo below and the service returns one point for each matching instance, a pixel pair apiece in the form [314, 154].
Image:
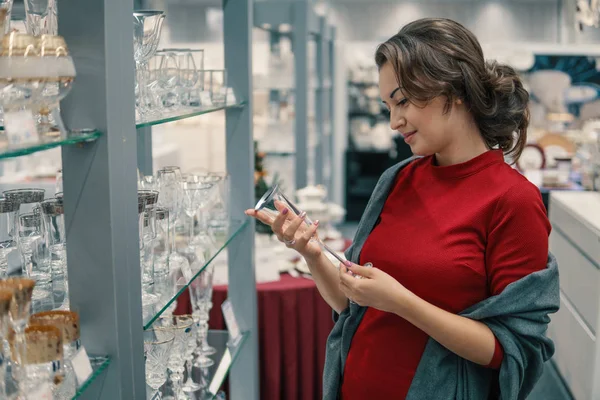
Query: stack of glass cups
[68, 323]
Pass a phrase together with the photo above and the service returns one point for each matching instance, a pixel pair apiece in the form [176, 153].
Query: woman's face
[426, 129]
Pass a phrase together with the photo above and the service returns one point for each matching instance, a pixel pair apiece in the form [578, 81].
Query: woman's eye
[403, 102]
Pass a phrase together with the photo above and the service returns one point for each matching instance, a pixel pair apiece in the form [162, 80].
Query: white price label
[230, 96]
[41, 392]
[230, 321]
[82, 366]
[20, 127]
[205, 99]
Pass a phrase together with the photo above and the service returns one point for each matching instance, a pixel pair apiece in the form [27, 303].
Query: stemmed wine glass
[195, 196]
[181, 327]
[201, 299]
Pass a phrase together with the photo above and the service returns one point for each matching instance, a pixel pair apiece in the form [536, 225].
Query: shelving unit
[298, 20]
[100, 195]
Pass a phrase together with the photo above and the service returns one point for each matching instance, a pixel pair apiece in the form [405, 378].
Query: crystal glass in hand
[274, 201]
[157, 348]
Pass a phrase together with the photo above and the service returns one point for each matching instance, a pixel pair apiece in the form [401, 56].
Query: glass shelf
[215, 375]
[74, 137]
[172, 286]
[226, 356]
[183, 113]
[99, 364]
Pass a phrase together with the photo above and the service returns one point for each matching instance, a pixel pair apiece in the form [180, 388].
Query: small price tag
[15, 262]
[82, 366]
[230, 96]
[42, 392]
[20, 127]
[231, 321]
[205, 99]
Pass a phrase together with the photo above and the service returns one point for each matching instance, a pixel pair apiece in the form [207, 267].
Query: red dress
[453, 236]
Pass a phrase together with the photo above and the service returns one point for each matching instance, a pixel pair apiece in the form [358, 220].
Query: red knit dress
[453, 236]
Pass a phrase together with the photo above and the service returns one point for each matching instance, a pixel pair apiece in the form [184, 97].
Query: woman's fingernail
[303, 214]
[317, 223]
[285, 211]
[347, 263]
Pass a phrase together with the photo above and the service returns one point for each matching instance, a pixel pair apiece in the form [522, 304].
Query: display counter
[575, 218]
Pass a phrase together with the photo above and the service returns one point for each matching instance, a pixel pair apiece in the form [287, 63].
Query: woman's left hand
[376, 288]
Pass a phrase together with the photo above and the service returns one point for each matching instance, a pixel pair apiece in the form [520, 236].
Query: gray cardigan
[518, 317]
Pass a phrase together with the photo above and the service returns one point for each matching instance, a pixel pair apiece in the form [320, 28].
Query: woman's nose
[397, 122]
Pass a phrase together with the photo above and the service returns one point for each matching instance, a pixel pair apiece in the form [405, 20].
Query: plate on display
[532, 158]
[581, 93]
[555, 146]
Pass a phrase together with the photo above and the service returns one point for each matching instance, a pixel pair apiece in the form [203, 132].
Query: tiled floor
[549, 387]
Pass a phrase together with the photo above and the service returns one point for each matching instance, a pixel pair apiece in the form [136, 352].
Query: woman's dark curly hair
[439, 57]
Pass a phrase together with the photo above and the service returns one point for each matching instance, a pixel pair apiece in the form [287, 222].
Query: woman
[456, 304]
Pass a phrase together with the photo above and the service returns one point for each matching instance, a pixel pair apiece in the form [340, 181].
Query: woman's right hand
[291, 230]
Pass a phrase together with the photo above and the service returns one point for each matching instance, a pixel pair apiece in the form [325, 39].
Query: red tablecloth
[293, 325]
